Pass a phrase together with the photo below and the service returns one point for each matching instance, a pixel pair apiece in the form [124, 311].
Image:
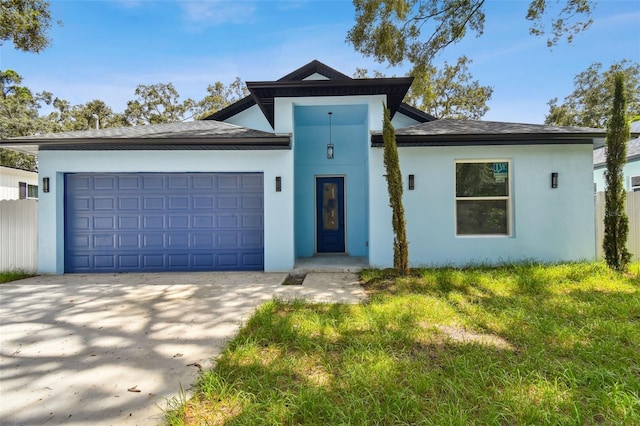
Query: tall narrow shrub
[616, 222]
[394, 184]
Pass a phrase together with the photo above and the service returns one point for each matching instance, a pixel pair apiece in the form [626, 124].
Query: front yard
[524, 344]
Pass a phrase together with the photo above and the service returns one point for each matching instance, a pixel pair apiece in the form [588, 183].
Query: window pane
[482, 179]
[22, 190]
[33, 191]
[482, 217]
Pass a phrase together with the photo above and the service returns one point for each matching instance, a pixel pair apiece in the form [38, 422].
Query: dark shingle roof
[201, 133]
[633, 153]
[450, 132]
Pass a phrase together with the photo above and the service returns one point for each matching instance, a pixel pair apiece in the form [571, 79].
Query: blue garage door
[139, 222]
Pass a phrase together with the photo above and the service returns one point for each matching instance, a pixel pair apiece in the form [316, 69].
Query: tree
[588, 104]
[92, 115]
[417, 30]
[616, 222]
[446, 93]
[25, 23]
[449, 92]
[219, 96]
[18, 160]
[394, 184]
[157, 103]
[19, 107]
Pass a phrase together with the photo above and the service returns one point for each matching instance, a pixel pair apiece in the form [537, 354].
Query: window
[483, 197]
[635, 183]
[27, 191]
[22, 190]
[32, 191]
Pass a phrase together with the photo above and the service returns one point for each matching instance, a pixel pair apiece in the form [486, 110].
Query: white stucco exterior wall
[549, 225]
[278, 206]
[251, 118]
[400, 121]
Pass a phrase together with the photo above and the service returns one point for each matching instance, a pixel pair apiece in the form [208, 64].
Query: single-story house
[18, 184]
[630, 171]
[296, 170]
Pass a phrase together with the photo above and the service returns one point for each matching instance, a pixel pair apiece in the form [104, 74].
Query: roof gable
[314, 67]
[298, 84]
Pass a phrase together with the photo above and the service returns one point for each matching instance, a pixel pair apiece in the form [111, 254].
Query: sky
[105, 49]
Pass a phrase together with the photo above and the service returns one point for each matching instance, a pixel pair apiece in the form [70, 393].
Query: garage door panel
[155, 222]
[129, 203]
[82, 203]
[153, 203]
[128, 241]
[203, 182]
[252, 239]
[102, 183]
[153, 261]
[230, 202]
[202, 240]
[252, 202]
[252, 220]
[151, 182]
[103, 242]
[128, 261]
[254, 181]
[177, 221]
[104, 222]
[128, 222]
[104, 261]
[203, 202]
[129, 182]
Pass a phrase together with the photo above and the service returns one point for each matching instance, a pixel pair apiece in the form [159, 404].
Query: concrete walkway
[112, 349]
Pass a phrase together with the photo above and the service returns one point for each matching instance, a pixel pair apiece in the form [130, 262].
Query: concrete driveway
[111, 349]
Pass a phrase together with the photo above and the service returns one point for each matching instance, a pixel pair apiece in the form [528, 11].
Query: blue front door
[330, 214]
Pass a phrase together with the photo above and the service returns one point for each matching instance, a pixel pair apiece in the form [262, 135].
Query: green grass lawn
[6, 276]
[515, 345]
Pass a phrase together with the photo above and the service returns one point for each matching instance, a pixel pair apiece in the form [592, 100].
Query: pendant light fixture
[330, 147]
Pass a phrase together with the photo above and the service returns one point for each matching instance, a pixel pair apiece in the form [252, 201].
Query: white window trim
[508, 198]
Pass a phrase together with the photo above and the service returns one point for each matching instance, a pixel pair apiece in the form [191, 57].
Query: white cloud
[218, 12]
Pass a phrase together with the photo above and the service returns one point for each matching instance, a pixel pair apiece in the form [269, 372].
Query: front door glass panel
[330, 207]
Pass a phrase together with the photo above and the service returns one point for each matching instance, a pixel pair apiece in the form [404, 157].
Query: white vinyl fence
[633, 212]
[18, 235]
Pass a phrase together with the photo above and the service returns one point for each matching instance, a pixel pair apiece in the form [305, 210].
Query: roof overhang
[484, 140]
[264, 93]
[100, 144]
[183, 135]
[452, 132]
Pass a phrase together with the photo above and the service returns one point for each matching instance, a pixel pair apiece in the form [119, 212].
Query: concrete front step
[329, 263]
